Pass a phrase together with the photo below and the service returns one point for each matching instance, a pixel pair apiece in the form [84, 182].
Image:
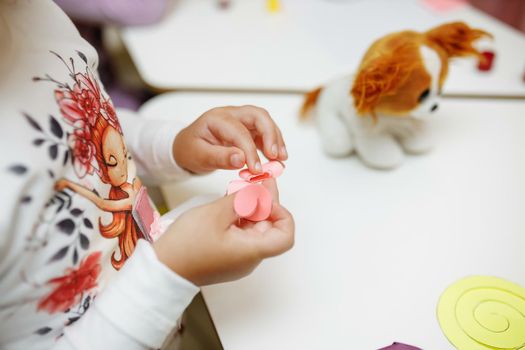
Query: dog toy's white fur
[380, 144]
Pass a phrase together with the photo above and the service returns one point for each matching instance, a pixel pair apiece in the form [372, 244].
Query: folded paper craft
[252, 200]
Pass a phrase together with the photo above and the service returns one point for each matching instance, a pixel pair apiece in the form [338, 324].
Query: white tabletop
[374, 249]
[309, 42]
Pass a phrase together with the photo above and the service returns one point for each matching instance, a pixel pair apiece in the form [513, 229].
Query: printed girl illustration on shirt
[97, 147]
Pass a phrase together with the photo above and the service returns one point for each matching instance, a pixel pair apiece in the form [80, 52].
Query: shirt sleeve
[151, 144]
[117, 12]
[137, 310]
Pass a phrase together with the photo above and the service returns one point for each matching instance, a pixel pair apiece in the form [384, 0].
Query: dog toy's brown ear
[309, 102]
[381, 76]
[456, 39]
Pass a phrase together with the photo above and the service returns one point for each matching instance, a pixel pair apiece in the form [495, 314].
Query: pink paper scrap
[444, 5]
[400, 346]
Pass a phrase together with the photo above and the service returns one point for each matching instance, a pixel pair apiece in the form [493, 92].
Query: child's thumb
[224, 210]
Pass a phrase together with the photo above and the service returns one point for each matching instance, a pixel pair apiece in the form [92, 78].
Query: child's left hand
[228, 138]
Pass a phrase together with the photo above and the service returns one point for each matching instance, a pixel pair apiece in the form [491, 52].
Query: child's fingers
[259, 119]
[231, 131]
[222, 210]
[280, 237]
[221, 157]
[283, 153]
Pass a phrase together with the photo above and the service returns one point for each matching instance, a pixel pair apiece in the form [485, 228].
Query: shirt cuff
[146, 298]
[166, 133]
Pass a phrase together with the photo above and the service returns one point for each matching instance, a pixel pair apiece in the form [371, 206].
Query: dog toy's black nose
[434, 108]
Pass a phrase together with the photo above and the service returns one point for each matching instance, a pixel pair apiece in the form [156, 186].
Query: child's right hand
[209, 244]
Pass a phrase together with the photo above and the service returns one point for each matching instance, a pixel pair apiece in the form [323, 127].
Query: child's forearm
[137, 310]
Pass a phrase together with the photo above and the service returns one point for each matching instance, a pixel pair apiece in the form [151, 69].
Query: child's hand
[228, 138]
[208, 244]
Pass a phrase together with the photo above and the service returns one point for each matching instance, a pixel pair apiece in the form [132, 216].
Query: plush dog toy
[380, 111]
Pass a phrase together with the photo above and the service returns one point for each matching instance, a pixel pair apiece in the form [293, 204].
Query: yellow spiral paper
[480, 313]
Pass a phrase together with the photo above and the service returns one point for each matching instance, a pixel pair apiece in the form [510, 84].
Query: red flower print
[83, 102]
[68, 103]
[69, 288]
[90, 96]
[108, 112]
[87, 82]
[83, 151]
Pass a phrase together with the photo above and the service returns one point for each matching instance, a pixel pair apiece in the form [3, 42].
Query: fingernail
[236, 160]
[258, 167]
[283, 152]
[274, 151]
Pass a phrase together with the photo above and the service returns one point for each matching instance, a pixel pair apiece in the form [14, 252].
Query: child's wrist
[174, 261]
[180, 151]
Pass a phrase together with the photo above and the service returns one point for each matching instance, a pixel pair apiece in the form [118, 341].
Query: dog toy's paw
[417, 145]
[338, 147]
[421, 141]
[380, 151]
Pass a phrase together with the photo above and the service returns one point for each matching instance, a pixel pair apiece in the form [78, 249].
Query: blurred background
[374, 249]
[102, 23]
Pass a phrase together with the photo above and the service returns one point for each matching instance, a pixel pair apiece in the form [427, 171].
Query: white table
[374, 249]
[308, 43]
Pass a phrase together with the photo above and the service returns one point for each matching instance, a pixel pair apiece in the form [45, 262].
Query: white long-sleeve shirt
[74, 273]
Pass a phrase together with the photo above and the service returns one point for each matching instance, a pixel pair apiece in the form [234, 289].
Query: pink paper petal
[245, 202]
[274, 167]
[264, 205]
[236, 185]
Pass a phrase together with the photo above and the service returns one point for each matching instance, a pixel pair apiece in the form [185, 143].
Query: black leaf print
[43, 330]
[66, 157]
[38, 142]
[32, 122]
[60, 254]
[18, 169]
[66, 226]
[68, 199]
[55, 127]
[25, 199]
[84, 241]
[88, 223]
[82, 56]
[72, 320]
[76, 212]
[53, 151]
[72, 64]
[51, 173]
[86, 302]
[75, 256]
[95, 192]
